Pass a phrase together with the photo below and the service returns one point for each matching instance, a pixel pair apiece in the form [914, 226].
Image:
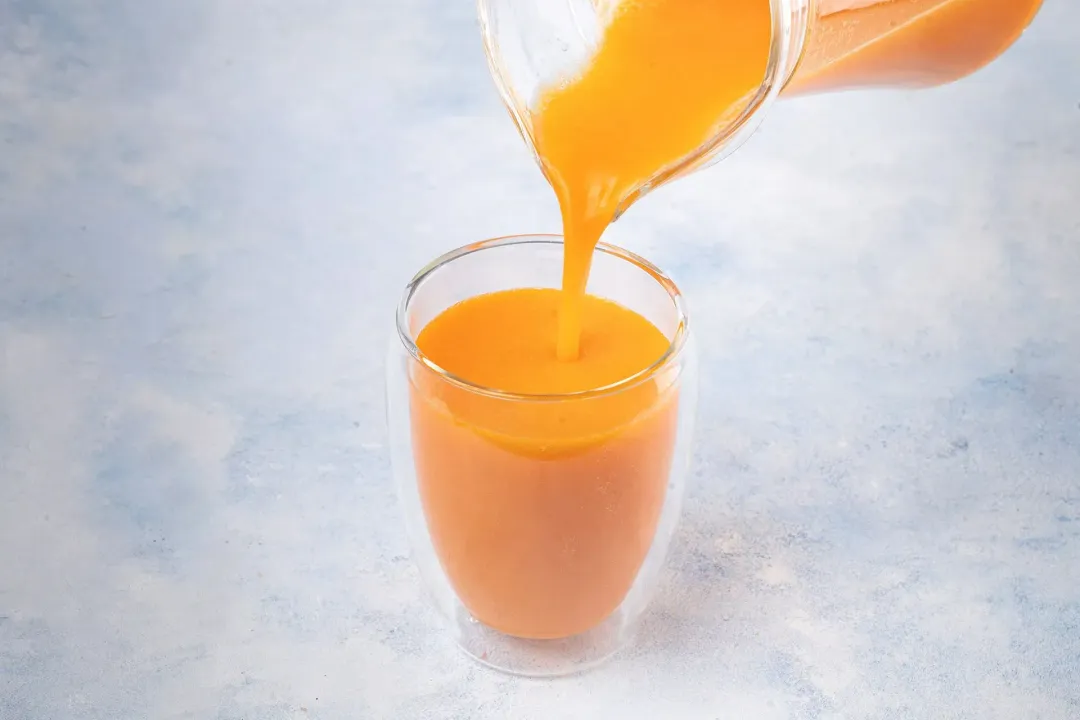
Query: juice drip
[663, 75]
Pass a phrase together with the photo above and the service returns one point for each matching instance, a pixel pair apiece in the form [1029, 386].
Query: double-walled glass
[541, 549]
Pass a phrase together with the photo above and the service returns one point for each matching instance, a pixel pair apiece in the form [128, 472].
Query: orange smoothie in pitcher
[906, 43]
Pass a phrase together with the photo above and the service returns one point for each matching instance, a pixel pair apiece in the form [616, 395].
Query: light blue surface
[206, 212]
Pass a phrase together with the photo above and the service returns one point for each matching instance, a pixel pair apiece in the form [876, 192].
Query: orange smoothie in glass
[541, 512]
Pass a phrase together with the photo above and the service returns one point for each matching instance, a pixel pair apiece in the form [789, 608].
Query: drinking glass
[540, 553]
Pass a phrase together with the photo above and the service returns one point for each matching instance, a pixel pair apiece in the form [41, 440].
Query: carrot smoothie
[541, 511]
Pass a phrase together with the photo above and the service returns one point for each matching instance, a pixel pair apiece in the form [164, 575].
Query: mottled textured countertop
[206, 212]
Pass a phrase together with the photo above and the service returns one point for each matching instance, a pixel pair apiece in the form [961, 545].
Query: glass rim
[671, 354]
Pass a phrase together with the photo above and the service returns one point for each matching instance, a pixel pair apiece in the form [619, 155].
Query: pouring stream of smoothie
[666, 72]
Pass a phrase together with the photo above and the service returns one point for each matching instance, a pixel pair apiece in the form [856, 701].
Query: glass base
[541, 658]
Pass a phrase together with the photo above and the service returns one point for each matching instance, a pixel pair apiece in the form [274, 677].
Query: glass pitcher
[816, 46]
